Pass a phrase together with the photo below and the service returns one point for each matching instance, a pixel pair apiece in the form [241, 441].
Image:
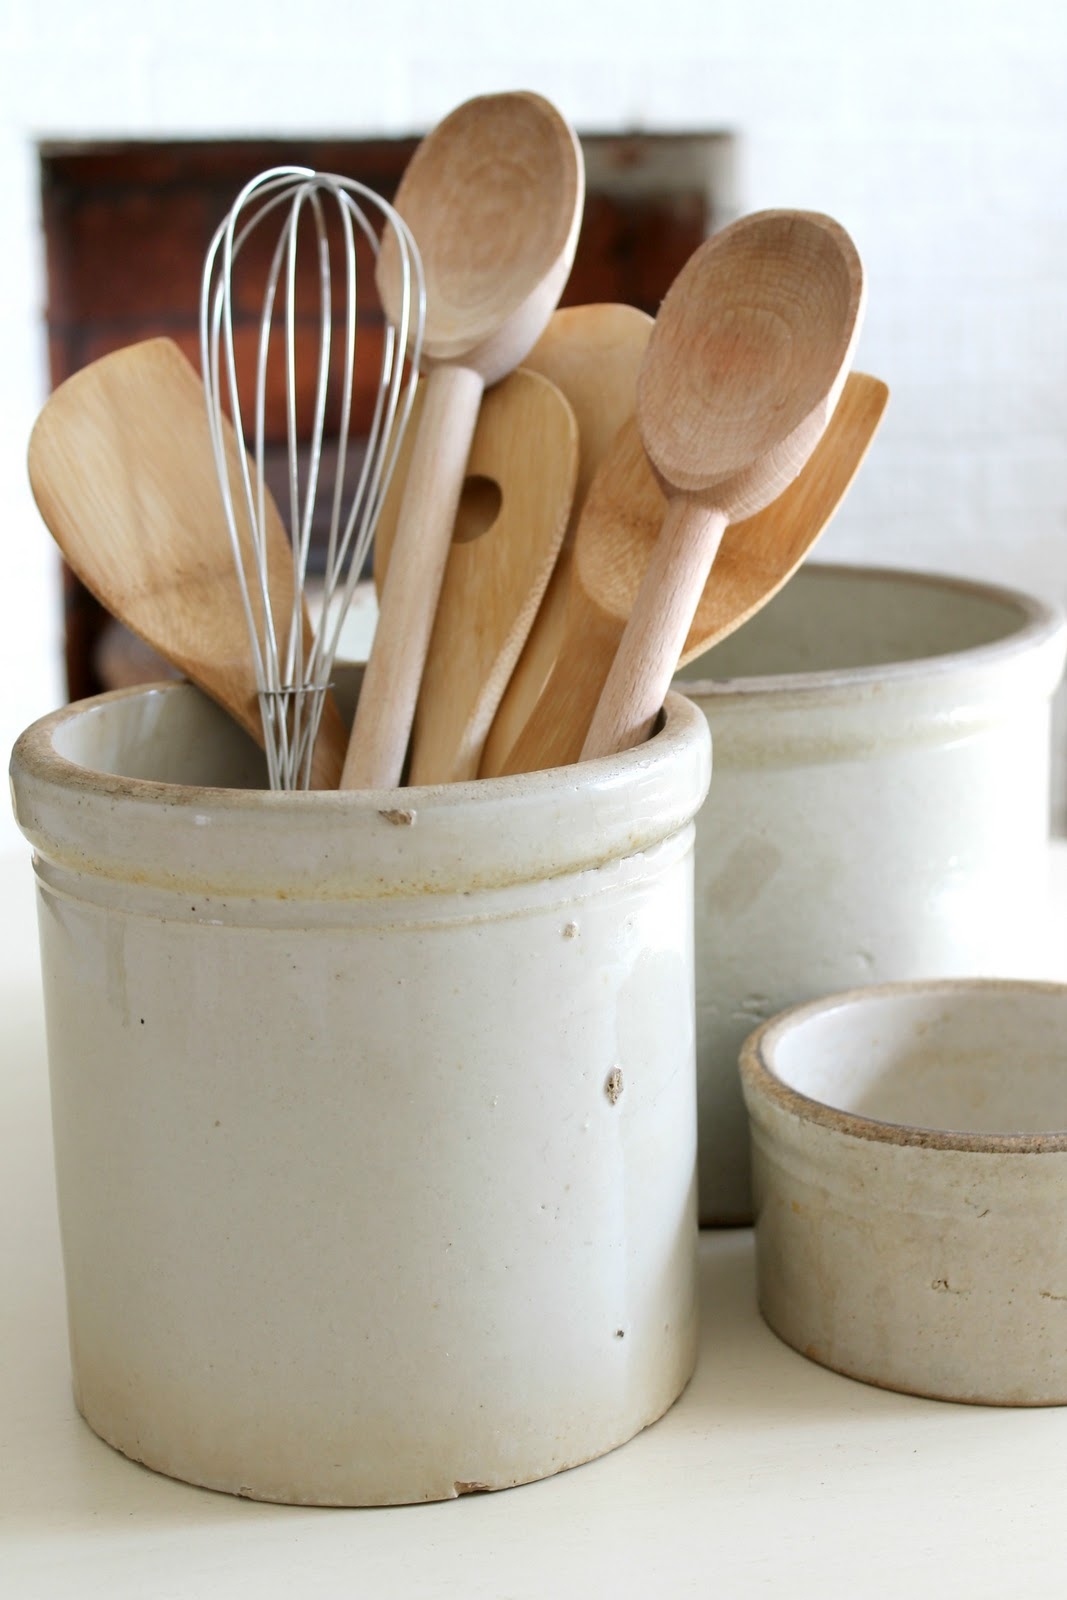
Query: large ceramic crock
[879, 811]
[374, 1113]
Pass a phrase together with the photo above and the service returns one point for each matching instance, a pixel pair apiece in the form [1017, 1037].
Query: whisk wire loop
[292, 668]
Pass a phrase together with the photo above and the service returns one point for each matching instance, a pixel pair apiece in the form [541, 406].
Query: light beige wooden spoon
[494, 198]
[744, 367]
[509, 527]
[616, 537]
[592, 354]
[123, 472]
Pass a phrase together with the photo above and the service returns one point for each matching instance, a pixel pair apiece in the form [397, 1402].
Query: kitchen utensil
[123, 471]
[743, 369]
[509, 527]
[329, 214]
[616, 538]
[494, 197]
[592, 354]
[911, 1164]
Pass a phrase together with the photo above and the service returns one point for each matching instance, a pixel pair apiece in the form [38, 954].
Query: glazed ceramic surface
[910, 1163]
[374, 1112]
[879, 811]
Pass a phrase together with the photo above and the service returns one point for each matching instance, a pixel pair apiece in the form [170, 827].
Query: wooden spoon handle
[655, 635]
[386, 708]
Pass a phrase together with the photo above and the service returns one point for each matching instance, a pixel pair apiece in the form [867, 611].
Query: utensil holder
[880, 810]
[374, 1113]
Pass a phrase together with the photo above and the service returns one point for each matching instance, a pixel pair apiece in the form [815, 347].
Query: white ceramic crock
[374, 1113]
[910, 1164]
[879, 811]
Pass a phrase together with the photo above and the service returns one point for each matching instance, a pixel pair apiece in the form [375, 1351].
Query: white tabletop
[770, 1476]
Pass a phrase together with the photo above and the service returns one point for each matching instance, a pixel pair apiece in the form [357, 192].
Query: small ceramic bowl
[909, 1148]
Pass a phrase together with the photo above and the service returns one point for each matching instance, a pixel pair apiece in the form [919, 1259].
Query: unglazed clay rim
[1041, 624]
[759, 1077]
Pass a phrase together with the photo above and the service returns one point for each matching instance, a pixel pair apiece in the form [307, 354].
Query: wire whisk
[293, 665]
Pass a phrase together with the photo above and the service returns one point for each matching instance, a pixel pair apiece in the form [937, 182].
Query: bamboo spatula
[123, 473]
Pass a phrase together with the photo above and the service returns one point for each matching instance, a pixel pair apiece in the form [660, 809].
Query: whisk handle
[386, 709]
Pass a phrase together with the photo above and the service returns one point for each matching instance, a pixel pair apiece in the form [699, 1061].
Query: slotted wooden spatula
[592, 354]
[509, 527]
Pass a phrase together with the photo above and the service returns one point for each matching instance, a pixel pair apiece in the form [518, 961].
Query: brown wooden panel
[366, 373]
[631, 250]
[131, 254]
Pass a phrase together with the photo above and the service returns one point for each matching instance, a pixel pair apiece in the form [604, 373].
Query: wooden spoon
[592, 354]
[509, 527]
[494, 199]
[744, 367]
[123, 472]
[616, 538]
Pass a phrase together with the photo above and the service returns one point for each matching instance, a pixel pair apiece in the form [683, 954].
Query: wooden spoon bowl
[743, 370]
[748, 357]
[494, 197]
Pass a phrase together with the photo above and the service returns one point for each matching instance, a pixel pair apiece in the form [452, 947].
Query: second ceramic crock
[879, 811]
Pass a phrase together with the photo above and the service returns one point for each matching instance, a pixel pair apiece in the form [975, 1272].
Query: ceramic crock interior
[175, 734]
[170, 734]
[982, 1059]
[832, 619]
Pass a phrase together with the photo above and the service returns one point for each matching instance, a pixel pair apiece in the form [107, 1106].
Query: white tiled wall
[936, 132]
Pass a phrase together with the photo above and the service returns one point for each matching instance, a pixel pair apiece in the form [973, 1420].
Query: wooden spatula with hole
[510, 523]
[123, 473]
[592, 354]
[618, 531]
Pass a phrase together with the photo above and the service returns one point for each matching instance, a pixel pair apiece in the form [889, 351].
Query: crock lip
[35, 756]
[760, 1079]
[335, 850]
[1043, 624]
